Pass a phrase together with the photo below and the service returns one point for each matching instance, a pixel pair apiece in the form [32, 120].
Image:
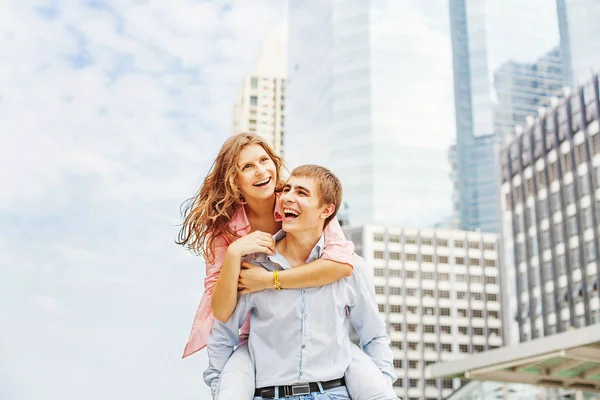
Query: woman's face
[257, 174]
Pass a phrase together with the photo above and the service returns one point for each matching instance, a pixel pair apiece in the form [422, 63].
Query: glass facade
[348, 110]
[579, 38]
[482, 40]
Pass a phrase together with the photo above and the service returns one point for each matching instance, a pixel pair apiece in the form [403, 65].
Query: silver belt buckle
[300, 389]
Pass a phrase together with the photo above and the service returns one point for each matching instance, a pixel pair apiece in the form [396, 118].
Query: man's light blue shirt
[301, 335]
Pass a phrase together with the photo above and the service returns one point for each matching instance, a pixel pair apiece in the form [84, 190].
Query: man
[299, 339]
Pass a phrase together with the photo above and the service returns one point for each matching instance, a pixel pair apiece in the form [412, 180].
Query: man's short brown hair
[328, 185]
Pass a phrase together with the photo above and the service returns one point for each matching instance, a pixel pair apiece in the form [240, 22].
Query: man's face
[301, 205]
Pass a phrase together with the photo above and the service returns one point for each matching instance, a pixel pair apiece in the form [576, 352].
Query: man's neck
[296, 248]
[258, 209]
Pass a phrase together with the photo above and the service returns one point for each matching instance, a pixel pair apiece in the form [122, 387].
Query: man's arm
[221, 341]
[367, 321]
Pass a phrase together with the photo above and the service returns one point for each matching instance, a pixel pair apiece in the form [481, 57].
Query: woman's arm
[224, 295]
[225, 292]
[336, 262]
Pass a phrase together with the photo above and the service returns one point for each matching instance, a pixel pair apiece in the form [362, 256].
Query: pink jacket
[337, 248]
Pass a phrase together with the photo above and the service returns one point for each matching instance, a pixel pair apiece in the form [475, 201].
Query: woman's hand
[254, 279]
[255, 242]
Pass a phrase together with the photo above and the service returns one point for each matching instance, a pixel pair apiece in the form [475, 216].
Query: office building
[369, 96]
[439, 292]
[482, 40]
[579, 39]
[260, 106]
[522, 88]
[551, 215]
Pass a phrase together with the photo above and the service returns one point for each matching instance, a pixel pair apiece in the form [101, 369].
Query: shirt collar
[279, 259]
[240, 224]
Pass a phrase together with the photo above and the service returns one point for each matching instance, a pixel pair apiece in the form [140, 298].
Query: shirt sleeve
[213, 268]
[223, 337]
[337, 248]
[367, 321]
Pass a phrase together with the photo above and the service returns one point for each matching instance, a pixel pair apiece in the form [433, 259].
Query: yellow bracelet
[276, 283]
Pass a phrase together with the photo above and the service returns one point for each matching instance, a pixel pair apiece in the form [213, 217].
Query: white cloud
[110, 115]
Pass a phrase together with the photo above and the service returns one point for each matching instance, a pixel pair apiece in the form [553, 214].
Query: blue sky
[110, 114]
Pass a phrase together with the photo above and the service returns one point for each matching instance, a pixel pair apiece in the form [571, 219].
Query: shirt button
[300, 373]
[303, 346]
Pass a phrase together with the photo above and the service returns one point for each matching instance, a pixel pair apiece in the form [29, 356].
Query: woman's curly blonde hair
[206, 215]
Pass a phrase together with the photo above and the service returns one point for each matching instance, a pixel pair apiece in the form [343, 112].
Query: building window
[478, 348]
[378, 237]
[413, 346]
[463, 330]
[459, 261]
[443, 259]
[590, 251]
[396, 308]
[429, 329]
[379, 290]
[413, 364]
[461, 278]
[490, 279]
[478, 331]
[572, 225]
[411, 274]
[396, 273]
[442, 242]
[474, 245]
[476, 296]
[427, 275]
[412, 327]
[587, 218]
[395, 291]
[430, 346]
[490, 263]
[378, 255]
[397, 344]
[462, 312]
[397, 326]
[254, 83]
[447, 347]
[445, 329]
[397, 363]
[477, 314]
[378, 272]
[491, 297]
[412, 309]
[494, 331]
[474, 261]
[444, 294]
[443, 277]
[463, 348]
[489, 246]
[431, 382]
[411, 257]
[459, 243]
[569, 193]
[253, 100]
[381, 307]
[427, 258]
[413, 383]
[394, 238]
[427, 293]
[426, 241]
[428, 311]
[411, 292]
[493, 314]
[476, 279]
[394, 255]
[410, 240]
[461, 295]
[584, 187]
[447, 383]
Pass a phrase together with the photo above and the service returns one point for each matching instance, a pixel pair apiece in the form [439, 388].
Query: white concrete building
[439, 291]
[260, 105]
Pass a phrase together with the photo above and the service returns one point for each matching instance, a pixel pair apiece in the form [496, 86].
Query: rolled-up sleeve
[337, 248]
[367, 321]
[223, 337]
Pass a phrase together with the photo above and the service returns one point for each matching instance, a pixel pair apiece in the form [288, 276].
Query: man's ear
[327, 211]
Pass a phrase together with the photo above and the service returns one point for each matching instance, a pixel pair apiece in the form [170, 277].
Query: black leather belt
[298, 389]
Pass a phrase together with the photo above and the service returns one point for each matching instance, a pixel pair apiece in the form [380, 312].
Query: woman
[235, 213]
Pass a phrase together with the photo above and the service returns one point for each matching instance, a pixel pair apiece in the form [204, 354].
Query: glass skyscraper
[579, 26]
[482, 40]
[369, 96]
